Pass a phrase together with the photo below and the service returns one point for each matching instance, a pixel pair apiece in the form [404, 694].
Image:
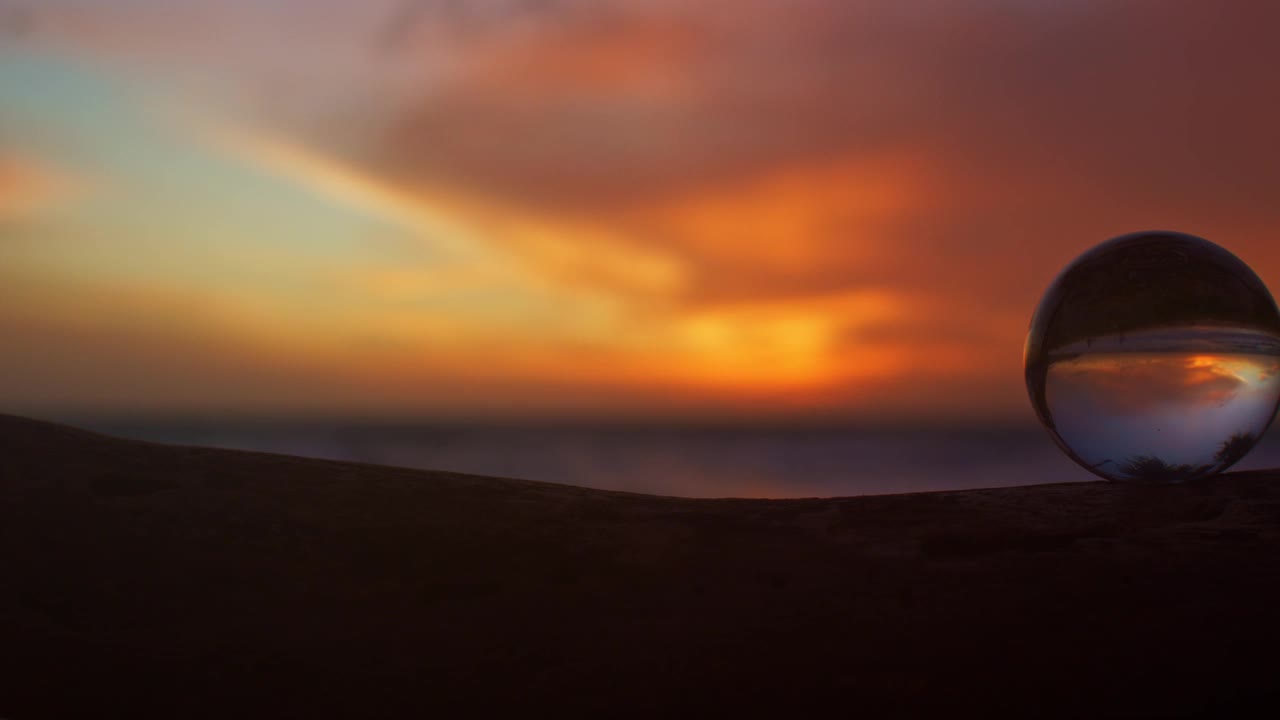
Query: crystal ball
[1155, 357]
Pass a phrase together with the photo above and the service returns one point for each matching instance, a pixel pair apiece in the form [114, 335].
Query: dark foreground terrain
[141, 580]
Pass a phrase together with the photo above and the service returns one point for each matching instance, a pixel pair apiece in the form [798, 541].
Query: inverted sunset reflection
[1162, 413]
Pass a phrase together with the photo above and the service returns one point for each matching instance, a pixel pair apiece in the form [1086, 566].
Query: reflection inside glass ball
[1155, 357]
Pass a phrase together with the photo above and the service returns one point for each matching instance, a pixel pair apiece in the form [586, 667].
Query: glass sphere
[1155, 357]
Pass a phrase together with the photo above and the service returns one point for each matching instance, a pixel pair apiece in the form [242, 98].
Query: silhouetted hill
[144, 580]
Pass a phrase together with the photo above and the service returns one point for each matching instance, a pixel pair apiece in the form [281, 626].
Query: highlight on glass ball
[1155, 357]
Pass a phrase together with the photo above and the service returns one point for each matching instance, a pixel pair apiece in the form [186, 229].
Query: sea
[673, 459]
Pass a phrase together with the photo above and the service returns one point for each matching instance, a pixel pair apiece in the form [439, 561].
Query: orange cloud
[641, 61]
[28, 187]
[800, 230]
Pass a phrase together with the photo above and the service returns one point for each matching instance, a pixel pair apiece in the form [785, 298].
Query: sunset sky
[751, 208]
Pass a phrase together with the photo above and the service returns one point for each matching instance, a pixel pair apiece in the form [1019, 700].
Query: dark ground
[143, 581]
